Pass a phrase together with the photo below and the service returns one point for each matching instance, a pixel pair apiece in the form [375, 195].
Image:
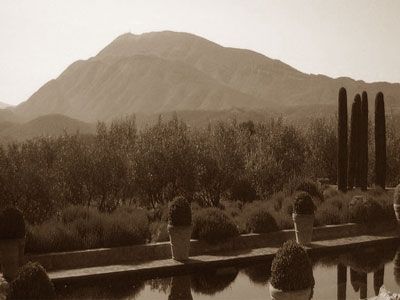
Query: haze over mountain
[170, 71]
[49, 125]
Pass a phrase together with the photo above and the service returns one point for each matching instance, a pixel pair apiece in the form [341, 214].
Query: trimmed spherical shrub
[12, 224]
[213, 225]
[291, 268]
[311, 188]
[180, 213]
[31, 282]
[260, 221]
[303, 204]
[396, 196]
[365, 210]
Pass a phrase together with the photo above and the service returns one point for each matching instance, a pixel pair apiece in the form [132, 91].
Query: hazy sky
[355, 38]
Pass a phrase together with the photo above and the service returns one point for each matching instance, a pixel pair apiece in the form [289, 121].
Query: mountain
[167, 71]
[49, 125]
[4, 105]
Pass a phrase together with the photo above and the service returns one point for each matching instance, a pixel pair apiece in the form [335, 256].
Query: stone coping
[169, 267]
[157, 251]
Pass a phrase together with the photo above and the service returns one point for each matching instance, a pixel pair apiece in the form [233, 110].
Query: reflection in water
[355, 282]
[211, 282]
[396, 269]
[180, 288]
[378, 280]
[109, 289]
[368, 260]
[160, 284]
[363, 285]
[359, 282]
[341, 281]
[260, 273]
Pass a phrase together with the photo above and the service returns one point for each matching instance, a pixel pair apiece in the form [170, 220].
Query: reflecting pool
[350, 275]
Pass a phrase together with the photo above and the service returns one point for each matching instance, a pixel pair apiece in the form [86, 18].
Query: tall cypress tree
[364, 142]
[380, 141]
[353, 175]
[342, 141]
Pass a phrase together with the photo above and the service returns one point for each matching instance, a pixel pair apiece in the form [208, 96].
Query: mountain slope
[250, 72]
[97, 89]
[169, 71]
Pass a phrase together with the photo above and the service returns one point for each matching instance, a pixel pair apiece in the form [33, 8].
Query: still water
[352, 275]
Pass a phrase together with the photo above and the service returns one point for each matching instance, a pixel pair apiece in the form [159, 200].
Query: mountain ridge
[165, 71]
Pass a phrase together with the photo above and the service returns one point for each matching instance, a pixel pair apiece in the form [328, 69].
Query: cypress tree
[380, 141]
[364, 142]
[342, 141]
[353, 175]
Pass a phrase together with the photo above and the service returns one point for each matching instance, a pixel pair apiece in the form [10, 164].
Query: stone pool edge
[158, 251]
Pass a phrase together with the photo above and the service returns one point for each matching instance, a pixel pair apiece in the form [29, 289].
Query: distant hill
[49, 125]
[4, 105]
[159, 72]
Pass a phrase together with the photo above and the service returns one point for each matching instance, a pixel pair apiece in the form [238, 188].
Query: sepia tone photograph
[198, 150]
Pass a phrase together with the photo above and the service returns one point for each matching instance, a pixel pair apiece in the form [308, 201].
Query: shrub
[213, 225]
[31, 282]
[80, 228]
[179, 213]
[291, 268]
[303, 204]
[12, 224]
[243, 190]
[396, 196]
[365, 210]
[260, 221]
[329, 214]
[311, 188]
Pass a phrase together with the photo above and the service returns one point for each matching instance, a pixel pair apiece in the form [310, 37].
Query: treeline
[121, 165]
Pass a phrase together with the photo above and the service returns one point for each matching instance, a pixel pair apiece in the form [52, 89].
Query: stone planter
[303, 227]
[180, 241]
[290, 295]
[12, 252]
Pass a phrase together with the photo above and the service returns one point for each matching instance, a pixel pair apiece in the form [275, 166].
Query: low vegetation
[80, 227]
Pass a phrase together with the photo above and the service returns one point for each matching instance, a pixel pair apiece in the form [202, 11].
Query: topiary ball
[12, 224]
[261, 221]
[291, 268]
[365, 210]
[213, 226]
[31, 282]
[180, 213]
[310, 187]
[303, 204]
